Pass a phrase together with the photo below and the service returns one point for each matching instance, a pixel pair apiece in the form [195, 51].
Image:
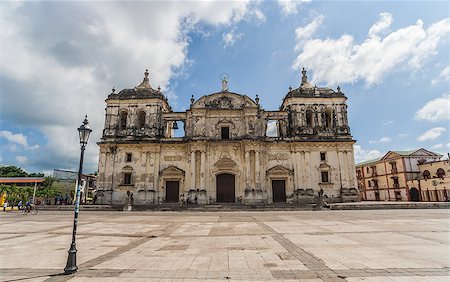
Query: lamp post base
[71, 266]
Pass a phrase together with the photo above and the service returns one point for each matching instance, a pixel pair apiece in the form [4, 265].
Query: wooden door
[279, 191]
[414, 194]
[172, 191]
[225, 188]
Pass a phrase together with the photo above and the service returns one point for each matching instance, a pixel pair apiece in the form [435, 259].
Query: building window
[272, 128]
[325, 177]
[377, 196]
[128, 157]
[225, 132]
[393, 167]
[309, 118]
[426, 175]
[141, 119]
[367, 168]
[358, 174]
[440, 173]
[398, 196]
[127, 178]
[123, 120]
[375, 183]
[328, 118]
[396, 183]
[368, 183]
[322, 156]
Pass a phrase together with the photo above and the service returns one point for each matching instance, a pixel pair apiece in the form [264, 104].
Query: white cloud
[66, 68]
[447, 145]
[304, 33]
[435, 110]
[289, 7]
[17, 138]
[362, 155]
[381, 53]
[438, 146]
[230, 38]
[431, 134]
[272, 130]
[381, 26]
[21, 160]
[443, 76]
[388, 122]
[382, 140]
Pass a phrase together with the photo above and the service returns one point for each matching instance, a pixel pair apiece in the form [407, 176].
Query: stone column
[257, 170]
[346, 173]
[156, 174]
[202, 170]
[341, 169]
[308, 170]
[352, 177]
[247, 169]
[298, 171]
[193, 170]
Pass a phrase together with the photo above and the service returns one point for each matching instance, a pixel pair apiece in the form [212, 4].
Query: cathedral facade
[226, 155]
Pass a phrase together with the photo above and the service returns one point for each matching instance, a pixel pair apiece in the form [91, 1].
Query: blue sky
[59, 61]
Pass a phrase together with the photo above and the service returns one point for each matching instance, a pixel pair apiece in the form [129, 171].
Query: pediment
[127, 168]
[414, 153]
[324, 166]
[224, 101]
[279, 169]
[391, 155]
[225, 163]
[172, 171]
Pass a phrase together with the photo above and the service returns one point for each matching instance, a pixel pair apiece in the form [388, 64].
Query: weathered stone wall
[308, 156]
[254, 164]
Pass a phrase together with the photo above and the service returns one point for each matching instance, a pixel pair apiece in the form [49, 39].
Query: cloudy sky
[59, 61]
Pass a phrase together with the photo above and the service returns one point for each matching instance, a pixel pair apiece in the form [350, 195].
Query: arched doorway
[414, 194]
[225, 188]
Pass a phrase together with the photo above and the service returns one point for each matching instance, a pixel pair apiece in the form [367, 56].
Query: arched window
[329, 118]
[123, 120]
[440, 173]
[426, 175]
[141, 119]
[309, 118]
[127, 175]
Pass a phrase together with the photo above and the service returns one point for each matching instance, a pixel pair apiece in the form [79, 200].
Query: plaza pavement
[362, 245]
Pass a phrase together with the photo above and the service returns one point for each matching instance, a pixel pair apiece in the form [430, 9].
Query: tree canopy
[14, 171]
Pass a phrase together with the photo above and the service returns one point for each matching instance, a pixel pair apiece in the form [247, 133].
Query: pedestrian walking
[19, 205]
[195, 200]
[181, 200]
[95, 198]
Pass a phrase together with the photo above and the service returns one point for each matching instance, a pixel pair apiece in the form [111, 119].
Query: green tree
[48, 182]
[12, 171]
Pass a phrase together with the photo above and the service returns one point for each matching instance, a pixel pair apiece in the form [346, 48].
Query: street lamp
[84, 131]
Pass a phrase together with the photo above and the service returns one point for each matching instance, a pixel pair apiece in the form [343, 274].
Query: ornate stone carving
[223, 102]
[278, 157]
[173, 158]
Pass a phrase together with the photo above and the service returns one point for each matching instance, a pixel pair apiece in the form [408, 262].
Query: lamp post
[71, 267]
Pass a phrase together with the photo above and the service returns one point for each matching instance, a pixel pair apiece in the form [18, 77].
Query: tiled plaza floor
[378, 245]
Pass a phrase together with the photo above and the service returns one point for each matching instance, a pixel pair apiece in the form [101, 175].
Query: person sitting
[28, 206]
